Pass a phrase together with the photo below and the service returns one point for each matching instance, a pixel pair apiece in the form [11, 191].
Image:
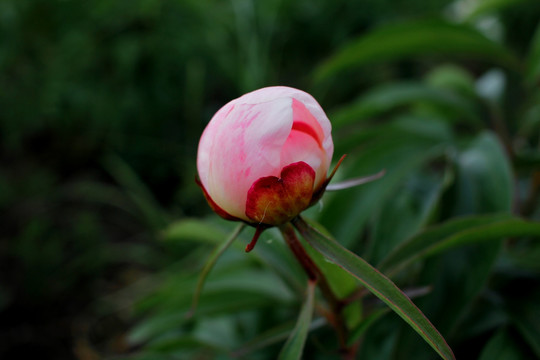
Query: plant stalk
[314, 273]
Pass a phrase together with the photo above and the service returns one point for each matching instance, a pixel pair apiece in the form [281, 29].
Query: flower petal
[256, 136]
[240, 146]
[302, 147]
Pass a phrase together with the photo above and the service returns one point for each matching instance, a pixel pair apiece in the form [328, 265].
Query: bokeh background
[103, 230]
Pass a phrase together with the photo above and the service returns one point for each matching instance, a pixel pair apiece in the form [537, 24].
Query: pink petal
[242, 147]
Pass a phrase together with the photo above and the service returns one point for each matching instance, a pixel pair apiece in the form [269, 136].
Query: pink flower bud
[264, 155]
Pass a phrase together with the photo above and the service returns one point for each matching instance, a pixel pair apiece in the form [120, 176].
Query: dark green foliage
[102, 105]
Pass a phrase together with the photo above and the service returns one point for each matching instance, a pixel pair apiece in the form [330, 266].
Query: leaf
[484, 7]
[214, 256]
[183, 343]
[236, 292]
[533, 59]
[466, 231]
[193, 230]
[408, 212]
[219, 302]
[501, 347]
[378, 284]
[524, 255]
[509, 228]
[138, 191]
[341, 282]
[270, 251]
[422, 38]
[400, 149]
[273, 336]
[484, 182]
[387, 97]
[485, 316]
[365, 324]
[483, 185]
[294, 346]
[525, 315]
[441, 237]
[347, 184]
[454, 78]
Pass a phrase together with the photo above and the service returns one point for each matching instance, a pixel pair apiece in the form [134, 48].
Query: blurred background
[104, 231]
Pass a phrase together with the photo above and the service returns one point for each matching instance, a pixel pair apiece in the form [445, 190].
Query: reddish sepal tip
[274, 201]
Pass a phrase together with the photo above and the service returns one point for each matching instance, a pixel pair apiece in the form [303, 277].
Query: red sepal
[274, 201]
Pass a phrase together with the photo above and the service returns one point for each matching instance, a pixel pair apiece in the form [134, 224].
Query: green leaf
[378, 284]
[341, 282]
[484, 182]
[484, 7]
[401, 148]
[213, 258]
[294, 346]
[183, 343]
[524, 255]
[453, 77]
[365, 324]
[213, 303]
[193, 230]
[387, 97]
[272, 336]
[270, 250]
[526, 317]
[233, 294]
[347, 184]
[529, 123]
[416, 39]
[501, 347]
[137, 191]
[533, 60]
[509, 228]
[408, 212]
[452, 233]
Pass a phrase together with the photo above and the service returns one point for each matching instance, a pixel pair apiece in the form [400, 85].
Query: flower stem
[300, 253]
[315, 274]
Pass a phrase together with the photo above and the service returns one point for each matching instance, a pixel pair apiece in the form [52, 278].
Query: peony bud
[264, 157]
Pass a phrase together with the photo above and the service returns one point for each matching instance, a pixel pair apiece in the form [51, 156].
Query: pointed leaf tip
[355, 182]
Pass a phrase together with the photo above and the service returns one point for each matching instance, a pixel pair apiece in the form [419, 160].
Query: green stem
[315, 274]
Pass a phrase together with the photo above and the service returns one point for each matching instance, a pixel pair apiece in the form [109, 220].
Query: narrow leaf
[137, 190]
[526, 318]
[378, 284]
[355, 182]
[214, 256]
[395, 152]
[365, 324]
[457, 233]
[501, 347]
[387, 97]
[432, 235]
[416, 39]
[273, 336]
[533, 59]
[481, 8]
[294, 346]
